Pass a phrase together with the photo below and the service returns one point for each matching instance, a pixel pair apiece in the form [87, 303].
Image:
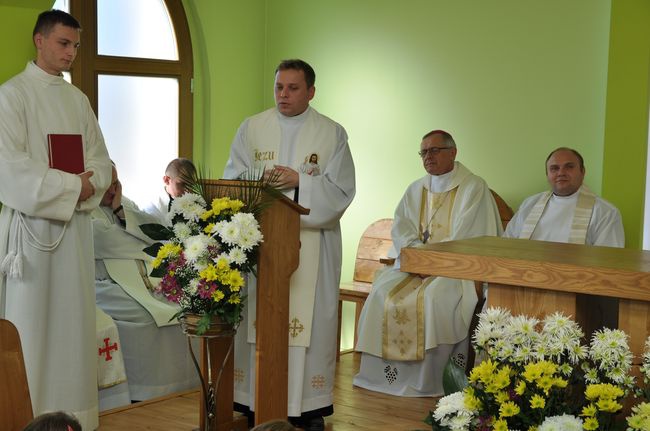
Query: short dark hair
[56, 421]
[297, 64]
[183, 169]
[577, 154]
[448, 140]
[48, 19]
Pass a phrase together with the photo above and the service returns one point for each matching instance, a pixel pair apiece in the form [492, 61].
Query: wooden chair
[373, 247]
[15, 403]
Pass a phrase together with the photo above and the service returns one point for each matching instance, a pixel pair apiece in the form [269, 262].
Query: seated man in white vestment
[155, 350]
[410, 324]
[179, 174]
[570, 212]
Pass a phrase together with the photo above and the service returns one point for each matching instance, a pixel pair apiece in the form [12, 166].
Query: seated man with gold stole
[570, 212]
[155, 350]
[411, 324]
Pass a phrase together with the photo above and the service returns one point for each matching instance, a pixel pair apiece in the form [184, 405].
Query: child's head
[56, 421]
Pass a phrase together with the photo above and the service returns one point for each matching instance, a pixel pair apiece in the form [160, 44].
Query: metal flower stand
[217, 346]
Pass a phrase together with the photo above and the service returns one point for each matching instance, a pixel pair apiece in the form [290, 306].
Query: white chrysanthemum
[449, 405]
[452, 413]
[222, 256]
[559, 325]
[460, 422]
[192, 286]
[195, 247]
[237, 256]
[229, 233]
[561, 423]
[200, 264]
[182, 231]
[246, 242]
[591, 375]
[189, 205]
[524, 325]
[245, 220]
[560, 340]
[242, 231]
[495, 315]
[609, 349]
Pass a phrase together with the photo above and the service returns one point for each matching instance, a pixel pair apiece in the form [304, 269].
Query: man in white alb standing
[46, 238]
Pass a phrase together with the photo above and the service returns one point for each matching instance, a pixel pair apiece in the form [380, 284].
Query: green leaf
[157, 231]
[157, 272]
[453, 378]
[152, 250]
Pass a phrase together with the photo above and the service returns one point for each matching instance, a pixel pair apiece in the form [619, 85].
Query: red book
[66, 153]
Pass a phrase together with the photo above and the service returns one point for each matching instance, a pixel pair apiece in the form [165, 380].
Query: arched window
[135, 66]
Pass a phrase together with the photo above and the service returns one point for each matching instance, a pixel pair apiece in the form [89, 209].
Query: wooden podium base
[239, 423]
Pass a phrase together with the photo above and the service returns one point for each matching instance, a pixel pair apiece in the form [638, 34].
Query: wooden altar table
[539, 277]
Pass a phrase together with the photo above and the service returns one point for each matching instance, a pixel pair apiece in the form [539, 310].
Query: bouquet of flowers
[536, 375]
[203, 255]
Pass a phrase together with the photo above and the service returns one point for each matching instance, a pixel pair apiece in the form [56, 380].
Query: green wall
[17, 18]
[510, 79]
[626, 125]
[228, 40]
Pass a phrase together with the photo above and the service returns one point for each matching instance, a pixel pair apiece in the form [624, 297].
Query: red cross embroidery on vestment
[107, 349]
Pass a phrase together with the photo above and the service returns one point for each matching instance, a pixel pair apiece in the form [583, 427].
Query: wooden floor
[354, 409]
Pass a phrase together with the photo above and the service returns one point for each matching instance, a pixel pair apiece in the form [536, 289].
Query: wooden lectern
[278, 259]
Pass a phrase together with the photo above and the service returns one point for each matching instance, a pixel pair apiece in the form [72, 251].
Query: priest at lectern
[280, 141]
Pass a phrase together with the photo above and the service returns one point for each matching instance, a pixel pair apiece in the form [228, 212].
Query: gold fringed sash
[403, 334]
[581, 216]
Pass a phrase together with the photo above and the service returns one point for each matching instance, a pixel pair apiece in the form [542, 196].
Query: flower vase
[216, 355]
[217, 328]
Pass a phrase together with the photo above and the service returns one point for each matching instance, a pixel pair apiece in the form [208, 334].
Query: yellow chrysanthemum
[222, 264]
[235, 280]
[590, 424]
[236, 205]
[472, 402]
[508, 409]
[208, 228]
[559, 382]
[222, 204]
[168, 250]
[589, 410]
[502, 379]
[502, 397]
[205, 215]
[234, 299]
[217, 295]
[603, 391]
[485, 370]
[607, 405]
[520, 388]
[209, 273]
[500, 425]
[537, 402]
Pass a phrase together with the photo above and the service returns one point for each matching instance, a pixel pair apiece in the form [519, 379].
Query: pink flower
[205, 289]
